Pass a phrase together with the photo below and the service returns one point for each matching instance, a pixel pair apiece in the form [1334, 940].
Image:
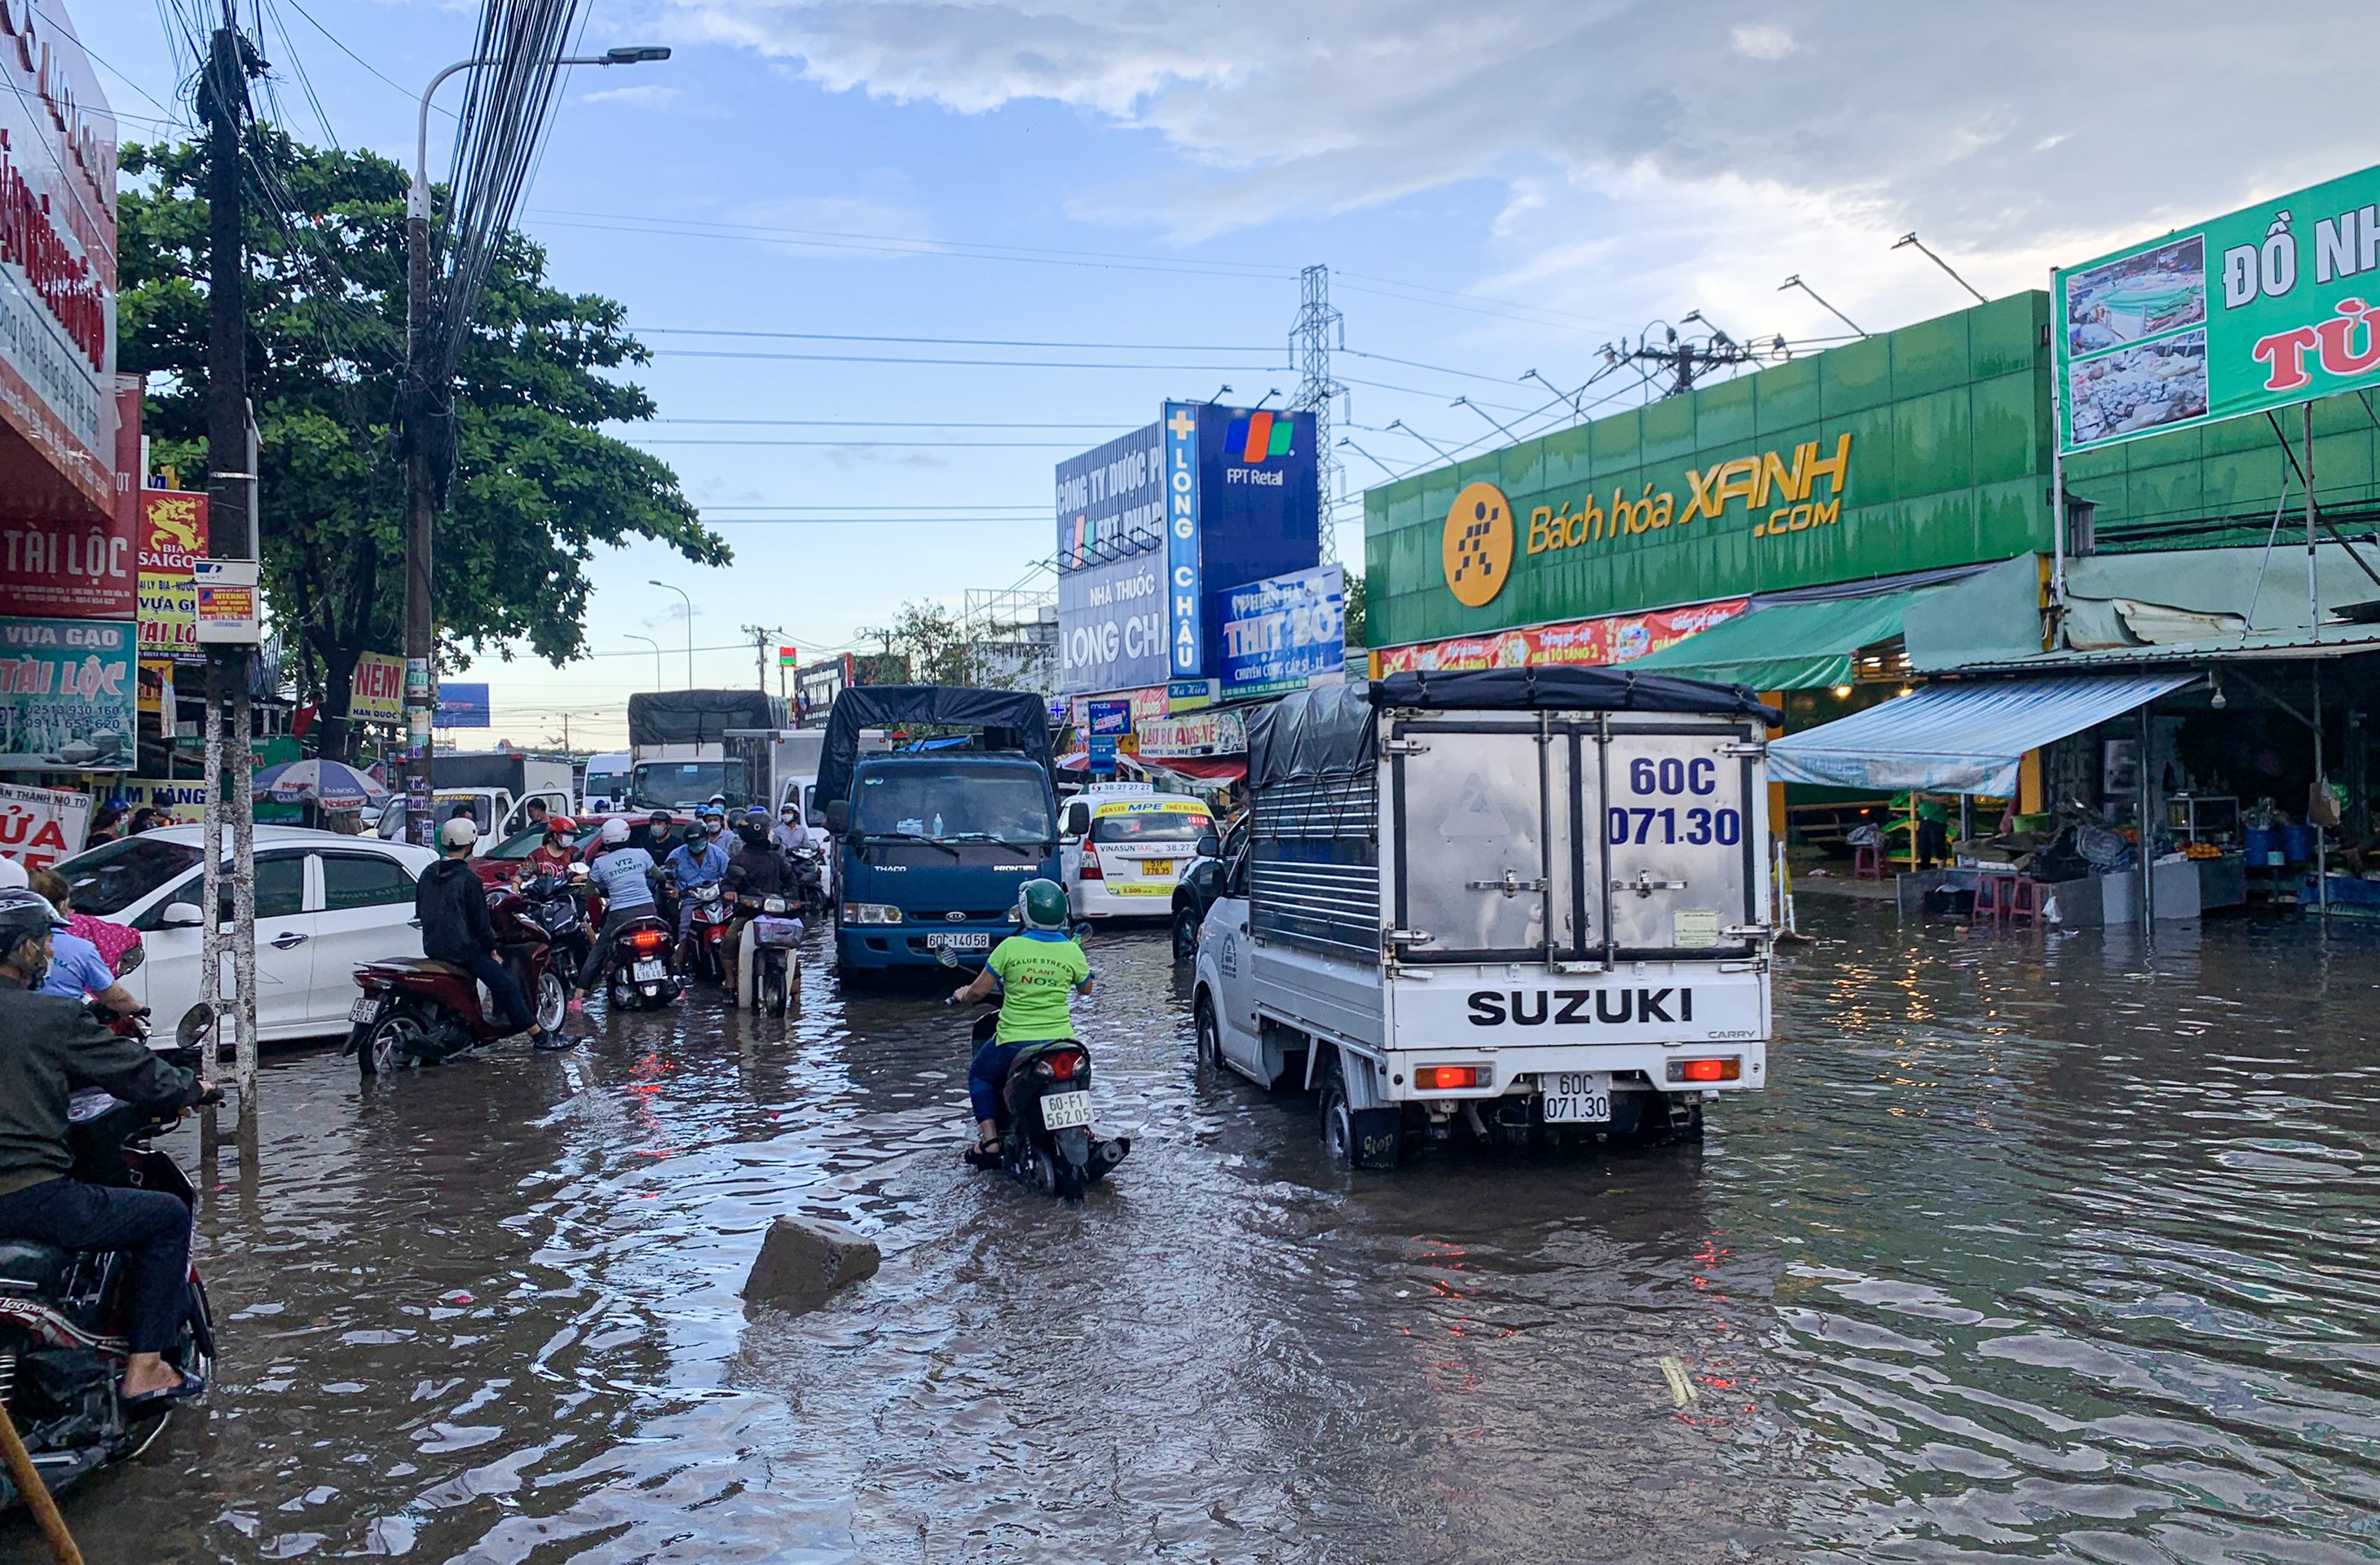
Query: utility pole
[1685, 361]
[231, 490]
[761, 634]
[1310, 343]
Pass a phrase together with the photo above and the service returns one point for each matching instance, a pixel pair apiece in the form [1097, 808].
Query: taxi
[1123, 847]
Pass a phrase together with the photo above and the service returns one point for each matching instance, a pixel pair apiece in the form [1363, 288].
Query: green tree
[1355, 603]
[932, 643]
[535, 486]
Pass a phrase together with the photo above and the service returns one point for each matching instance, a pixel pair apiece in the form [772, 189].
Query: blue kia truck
[933, 839]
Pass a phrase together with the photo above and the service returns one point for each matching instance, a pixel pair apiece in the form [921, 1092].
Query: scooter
[809, 881]
[416, 1011]
[60, 1310]
[642, 976]
[770, 940]
[1045, 1116]
[707, 933]
[554, 907]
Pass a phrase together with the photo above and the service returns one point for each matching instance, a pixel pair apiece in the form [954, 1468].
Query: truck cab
[932, 843]
[1517, 911]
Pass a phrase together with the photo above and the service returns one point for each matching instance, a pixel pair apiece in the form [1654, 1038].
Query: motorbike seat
[423, 965]
[27, 1265]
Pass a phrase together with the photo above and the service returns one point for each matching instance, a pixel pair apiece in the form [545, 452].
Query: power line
[881, 445]
[945, 342]
[879, 424]
[941, 363]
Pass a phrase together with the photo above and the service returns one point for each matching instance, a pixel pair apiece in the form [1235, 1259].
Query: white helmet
[615, 832]
[458, 832]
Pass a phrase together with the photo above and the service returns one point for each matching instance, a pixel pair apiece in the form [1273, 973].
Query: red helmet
[560, 825]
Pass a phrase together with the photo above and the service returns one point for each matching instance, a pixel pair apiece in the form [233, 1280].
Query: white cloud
[1762, 41]
[648, 96]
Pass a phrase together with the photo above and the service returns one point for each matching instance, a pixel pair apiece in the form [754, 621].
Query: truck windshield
[604, 785]
[955, 804]
[677, 784]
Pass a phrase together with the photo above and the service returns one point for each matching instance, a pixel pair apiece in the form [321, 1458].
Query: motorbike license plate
[963, 939]
[1577, 1097]
[651, 972]
[1065, 1110]
[1157, 866]
[364, 1010]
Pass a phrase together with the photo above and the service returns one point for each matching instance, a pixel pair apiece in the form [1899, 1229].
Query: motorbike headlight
[870, 913]
[772, 904]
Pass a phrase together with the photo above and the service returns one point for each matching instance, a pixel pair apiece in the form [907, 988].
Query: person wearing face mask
[694, 863]
[50, 1048]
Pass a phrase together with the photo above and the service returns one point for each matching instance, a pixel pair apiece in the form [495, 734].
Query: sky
[896, 258]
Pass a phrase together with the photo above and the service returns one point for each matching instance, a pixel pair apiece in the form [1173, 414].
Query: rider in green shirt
[1037, 973]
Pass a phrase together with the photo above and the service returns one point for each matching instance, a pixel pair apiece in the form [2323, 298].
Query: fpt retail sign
[2274, 304]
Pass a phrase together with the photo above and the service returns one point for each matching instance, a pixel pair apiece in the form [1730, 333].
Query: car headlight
[870, 913]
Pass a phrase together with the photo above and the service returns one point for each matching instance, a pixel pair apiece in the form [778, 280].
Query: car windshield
[676, 784]
[1152, 826]
[954, 804]
[114, 876]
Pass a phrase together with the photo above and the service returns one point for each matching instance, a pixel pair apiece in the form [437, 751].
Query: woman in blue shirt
[76, 969]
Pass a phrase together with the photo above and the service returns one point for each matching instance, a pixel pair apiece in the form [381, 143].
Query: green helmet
[1043, 904]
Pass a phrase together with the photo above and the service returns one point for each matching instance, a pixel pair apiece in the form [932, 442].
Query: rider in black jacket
[452, 904]
[49, 1047]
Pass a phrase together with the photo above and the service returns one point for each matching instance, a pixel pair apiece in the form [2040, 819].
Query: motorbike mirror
[1082, 930]
[196, 1023]
[1209, 846]
[838, 816]
[947, 957]
[181, 915]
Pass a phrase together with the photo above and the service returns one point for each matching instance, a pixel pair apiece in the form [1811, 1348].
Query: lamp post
[689, 626]
[421, 508]
[657, 654]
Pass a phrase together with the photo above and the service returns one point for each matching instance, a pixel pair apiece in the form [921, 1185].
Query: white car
[1123, 847]
[325, 903]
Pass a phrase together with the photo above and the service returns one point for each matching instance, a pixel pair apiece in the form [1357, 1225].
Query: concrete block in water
[803, 1260]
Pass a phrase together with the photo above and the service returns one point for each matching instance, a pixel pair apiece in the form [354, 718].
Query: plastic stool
[1867, 863]
[1994, 894]
[2024, 900]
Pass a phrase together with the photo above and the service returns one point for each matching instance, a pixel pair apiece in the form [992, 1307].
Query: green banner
[2271, 305]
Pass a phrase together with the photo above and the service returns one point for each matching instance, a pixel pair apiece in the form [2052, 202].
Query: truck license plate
[651, 972]
[964, 939]
[1065, 1110]
[364, 1010]
[1577, 1097]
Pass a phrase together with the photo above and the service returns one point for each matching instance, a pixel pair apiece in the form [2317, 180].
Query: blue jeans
[987, 1073]
[150, 1227]
[507, 990]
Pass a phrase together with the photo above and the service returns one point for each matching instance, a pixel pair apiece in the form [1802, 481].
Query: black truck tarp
[1009, 719]
[696, 717]
[1332, 732]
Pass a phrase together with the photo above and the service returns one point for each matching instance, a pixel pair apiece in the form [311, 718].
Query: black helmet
[25, 914]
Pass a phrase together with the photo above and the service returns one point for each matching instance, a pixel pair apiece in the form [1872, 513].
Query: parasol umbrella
[329, 784]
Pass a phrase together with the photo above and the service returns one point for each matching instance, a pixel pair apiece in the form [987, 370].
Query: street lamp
[689, 626]
[657, 654]
[421, 513]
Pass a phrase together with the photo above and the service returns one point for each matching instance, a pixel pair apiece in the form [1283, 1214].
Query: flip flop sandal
[190, 1386]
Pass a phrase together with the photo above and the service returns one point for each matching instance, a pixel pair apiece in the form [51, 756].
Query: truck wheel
[1210, 1035]
[1338, 1126]
[1186, 933]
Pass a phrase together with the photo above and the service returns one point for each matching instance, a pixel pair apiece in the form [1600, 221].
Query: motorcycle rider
[1037, 973]
[552, 857]
[758, 871]
[50, 1047]
[652, 834]
[624, 873]
[452, 904]
[695, 862]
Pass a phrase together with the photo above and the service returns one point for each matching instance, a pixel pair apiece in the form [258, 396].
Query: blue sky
[1497, 188]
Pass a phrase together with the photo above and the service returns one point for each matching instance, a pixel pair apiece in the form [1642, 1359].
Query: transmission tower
[1309, 346]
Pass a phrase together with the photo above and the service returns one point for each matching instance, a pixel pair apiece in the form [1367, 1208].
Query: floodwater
[2036, 1248]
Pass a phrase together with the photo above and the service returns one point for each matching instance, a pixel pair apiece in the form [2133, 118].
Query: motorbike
[555, 908]
[1045, 1116]
[777, 967]
[643, 975]
[417, 1011]
[707, 932]
[809, 881]
[60, 1310]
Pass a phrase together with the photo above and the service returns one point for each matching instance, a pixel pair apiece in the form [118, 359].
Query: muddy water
[2036, 1247]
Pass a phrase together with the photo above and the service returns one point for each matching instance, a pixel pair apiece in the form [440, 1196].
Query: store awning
[1959, 738]
[1791, 646]
[1201, 769]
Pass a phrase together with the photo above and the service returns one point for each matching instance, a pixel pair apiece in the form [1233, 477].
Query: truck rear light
[1091, 871]
[1451, 1078]
[1727, 1070]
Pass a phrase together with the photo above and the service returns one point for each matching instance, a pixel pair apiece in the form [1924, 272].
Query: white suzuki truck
[1521, 905]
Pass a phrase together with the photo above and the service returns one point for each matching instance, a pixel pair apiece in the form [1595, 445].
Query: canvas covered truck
[1524, 905]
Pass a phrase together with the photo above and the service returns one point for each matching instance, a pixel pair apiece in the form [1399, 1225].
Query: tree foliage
[537, 486]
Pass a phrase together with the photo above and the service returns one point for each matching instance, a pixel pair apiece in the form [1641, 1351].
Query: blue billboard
[1283, 632]
[1153, 525]
[462, 705]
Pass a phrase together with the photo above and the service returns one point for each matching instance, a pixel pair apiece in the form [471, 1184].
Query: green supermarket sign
[2275, 303]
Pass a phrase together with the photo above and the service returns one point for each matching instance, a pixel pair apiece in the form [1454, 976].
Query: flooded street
[2032, 1249]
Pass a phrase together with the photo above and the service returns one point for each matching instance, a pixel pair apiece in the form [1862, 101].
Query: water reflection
[2039, 1244]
